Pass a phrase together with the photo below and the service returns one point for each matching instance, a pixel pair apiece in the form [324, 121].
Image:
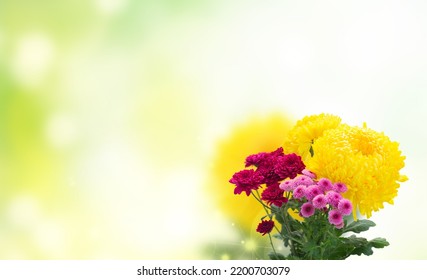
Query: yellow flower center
[364, 143]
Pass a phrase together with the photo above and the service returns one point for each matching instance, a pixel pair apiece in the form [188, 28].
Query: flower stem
[260, 201]
[271, 242]
[286, 225]
[288, 229]
[266, 208]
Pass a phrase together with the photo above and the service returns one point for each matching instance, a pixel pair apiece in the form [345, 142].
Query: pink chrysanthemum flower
[319, 201]
[299, 192]
[304, 180]
[345, 207]
[308, 173]
[333, 198]
[287, 185]
[307, 209]
[312, 191]
[340, 226]
[325, 185]
[335, 217]
[340, 187]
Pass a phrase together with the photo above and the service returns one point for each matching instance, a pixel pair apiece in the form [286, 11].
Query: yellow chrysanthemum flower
[301, 138]
[368, 162]
[258, 134]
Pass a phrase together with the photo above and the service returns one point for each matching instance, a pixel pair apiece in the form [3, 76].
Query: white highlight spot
[110, 7]
[24, 211]
[50, 238]
[33, 56]
[61, 131]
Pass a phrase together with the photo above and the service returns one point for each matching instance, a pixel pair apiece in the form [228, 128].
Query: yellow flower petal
[368, 162]
[306, 131]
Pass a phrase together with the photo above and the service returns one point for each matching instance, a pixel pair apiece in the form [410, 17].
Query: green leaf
[295, 224]
[366, 250]
[311, 250]
[265, 216]
[355, 241]
[292, 258]
[359, 226]
[339, 252]
[277, 212]
[278, 236]
[293, 204]
[276, 256]
[279, 218]
[379, 242]
[335, 248]
[362, 246]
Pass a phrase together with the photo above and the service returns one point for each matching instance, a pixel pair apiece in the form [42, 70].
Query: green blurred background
[110, 111]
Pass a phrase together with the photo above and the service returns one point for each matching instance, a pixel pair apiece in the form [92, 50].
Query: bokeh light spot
[250, 245]
[24, 211]
[33, 56]
[109, 7]
[60, 131]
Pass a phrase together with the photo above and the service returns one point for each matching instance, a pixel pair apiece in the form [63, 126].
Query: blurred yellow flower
[307, 130]
[258, 134]
[368, 162]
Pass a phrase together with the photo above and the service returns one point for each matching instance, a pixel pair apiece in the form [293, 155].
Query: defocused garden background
[115, 115]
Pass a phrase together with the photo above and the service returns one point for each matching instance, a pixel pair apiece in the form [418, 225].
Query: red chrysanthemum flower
[265, 227]
[276, 166]
[246, 180]
[289, 166]
[267, 166]
[274, 195]
[255, 159]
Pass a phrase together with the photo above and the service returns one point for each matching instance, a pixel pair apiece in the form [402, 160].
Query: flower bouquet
[316, 187]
